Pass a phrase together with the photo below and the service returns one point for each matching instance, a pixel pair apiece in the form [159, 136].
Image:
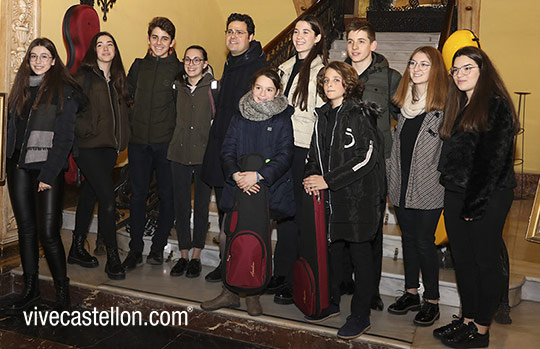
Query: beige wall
[197, 22]
[509, 34]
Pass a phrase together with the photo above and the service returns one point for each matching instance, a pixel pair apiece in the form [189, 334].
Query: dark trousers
[362, 259]
[476, 248]
[419, 251]
[377, 253]
[183, 176]
[286, 252]
[143, 159]
[96, 165]
[38, 216]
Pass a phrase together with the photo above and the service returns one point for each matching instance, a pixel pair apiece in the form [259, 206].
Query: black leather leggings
[37, 214]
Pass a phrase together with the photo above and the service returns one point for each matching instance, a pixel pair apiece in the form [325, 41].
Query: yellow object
[457, 40]
[441, 238]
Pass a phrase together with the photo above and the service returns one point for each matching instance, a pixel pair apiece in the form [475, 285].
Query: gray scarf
[254, 111]
[35, 80]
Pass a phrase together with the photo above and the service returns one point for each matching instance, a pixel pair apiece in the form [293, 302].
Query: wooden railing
[447, 25]
[330, 13]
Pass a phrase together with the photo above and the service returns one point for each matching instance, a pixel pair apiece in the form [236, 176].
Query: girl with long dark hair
[102, 131]
[299, 80]
[42, 106]
[477, 171]
[413, 179]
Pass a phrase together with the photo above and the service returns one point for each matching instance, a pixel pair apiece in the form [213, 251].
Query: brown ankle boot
[226, 299]
[254, 307]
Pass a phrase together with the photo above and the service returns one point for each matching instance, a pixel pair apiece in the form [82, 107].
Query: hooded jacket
[104, 123]
[150, 82]
[353, 168]
[381, 82]
[49, 135]
[234, 84]
[303, 120]
[193, 120]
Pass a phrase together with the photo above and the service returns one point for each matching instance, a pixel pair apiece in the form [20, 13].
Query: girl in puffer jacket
[346, 159]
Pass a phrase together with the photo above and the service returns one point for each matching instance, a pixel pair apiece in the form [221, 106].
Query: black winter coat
[273, 139]
[353, 168]
[478, 163]
[58, 124]
[234, 84]
[104, 122]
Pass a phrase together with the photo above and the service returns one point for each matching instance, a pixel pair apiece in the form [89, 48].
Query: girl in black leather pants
[40, 136]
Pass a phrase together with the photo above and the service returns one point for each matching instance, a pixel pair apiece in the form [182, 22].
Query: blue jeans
[143, 159]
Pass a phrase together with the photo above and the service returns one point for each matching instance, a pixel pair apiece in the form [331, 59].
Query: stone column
[19, 25]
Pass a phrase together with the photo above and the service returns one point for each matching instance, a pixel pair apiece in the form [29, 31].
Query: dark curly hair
[164, 24]
[352, 85]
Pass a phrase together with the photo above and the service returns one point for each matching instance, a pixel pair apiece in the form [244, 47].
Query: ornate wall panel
[19, 25]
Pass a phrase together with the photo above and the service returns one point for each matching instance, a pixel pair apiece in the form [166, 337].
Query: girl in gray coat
[413, 179]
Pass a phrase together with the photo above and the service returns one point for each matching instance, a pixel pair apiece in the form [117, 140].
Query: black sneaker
[468, 338]
[194, 268]
[354, 327]
[214, 275]
[275, 285]
[133, 260]
[332, 311]
[427, 314]
[284, 296]
[179, 268]
[407, 302]
[155, 258]
[450, 329]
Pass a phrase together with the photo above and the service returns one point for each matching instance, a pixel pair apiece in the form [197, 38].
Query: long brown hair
[300, 95]
[118, 74]
[475, 116]
[437, 88]
[52, 85]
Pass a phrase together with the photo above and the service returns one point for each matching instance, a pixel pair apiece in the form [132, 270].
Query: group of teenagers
[321, 126]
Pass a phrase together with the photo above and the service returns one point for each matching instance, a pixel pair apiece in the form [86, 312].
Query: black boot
[29, 295]
[78, 255]
[114, 268]
[63, 301]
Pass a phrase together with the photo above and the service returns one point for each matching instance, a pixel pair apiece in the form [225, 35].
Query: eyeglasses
[43, 57]
[423, 66]
[465, 70]
[194, 61]
[232, 32]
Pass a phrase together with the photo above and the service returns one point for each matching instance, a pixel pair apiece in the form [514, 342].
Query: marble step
[392, 278]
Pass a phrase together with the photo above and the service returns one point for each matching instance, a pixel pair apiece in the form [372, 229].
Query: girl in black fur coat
[477, 171]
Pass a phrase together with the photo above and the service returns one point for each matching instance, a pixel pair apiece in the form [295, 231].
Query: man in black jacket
[152, 124]
[244, 59]
[380, 83]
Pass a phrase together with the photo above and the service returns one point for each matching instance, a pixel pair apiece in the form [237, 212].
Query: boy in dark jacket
[152, 124]
[380, 83]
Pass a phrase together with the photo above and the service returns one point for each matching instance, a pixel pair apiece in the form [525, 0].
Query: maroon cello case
[80, 24]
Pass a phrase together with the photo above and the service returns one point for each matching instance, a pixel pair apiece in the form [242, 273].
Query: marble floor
[154, 282]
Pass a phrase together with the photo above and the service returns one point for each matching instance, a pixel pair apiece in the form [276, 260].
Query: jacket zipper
[152, 98]
[113, 114]
[329, 169]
